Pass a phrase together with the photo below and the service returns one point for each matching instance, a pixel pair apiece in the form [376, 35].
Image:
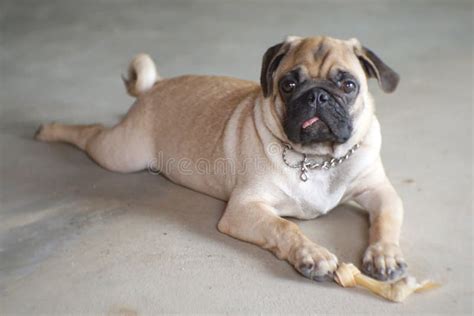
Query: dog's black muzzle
[317, 114]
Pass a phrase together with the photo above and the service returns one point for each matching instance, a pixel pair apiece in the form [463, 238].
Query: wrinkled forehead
[320, 57]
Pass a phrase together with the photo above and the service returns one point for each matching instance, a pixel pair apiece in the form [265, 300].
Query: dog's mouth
[314, 125]
[310, 122]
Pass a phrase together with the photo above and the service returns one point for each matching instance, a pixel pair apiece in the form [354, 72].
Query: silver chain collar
[305, 164]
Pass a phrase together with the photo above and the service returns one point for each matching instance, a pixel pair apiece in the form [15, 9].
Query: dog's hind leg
[125, 147]
[120, 148]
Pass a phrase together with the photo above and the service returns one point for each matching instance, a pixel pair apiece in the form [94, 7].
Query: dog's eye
[348, 86]
[288, 85]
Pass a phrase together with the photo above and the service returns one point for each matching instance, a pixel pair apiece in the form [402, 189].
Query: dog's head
[318, 86]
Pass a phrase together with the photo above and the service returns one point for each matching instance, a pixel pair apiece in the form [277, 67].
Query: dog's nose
[318, 97]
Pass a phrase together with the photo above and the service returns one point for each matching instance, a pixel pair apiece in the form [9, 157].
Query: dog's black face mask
[320, 109]
[317, 110]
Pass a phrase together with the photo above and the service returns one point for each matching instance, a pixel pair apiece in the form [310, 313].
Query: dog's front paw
[315, 262]
[384, 261]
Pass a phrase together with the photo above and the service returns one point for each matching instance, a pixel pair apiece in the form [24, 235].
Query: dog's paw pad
[44, 132]
[38, 132]
[384, 261]
[315, 262]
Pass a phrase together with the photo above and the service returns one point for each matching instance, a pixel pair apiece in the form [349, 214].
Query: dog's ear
[374, 67]
[271, 60]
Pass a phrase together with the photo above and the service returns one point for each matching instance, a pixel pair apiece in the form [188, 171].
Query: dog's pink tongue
[310, 122]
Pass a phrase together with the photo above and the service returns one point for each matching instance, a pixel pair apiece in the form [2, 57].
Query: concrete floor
[75, 238]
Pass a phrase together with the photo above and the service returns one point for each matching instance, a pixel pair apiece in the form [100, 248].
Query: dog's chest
[323, 191]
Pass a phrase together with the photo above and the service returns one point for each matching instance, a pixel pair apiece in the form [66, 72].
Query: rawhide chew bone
[347, 275]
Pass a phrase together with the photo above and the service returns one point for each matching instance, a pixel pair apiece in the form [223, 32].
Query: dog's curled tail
[142, 75]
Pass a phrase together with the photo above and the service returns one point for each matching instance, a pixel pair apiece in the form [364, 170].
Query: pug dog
[296, 145]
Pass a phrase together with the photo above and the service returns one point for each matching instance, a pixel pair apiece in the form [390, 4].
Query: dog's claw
[367, 267]
[315, 262]
[384, 261]
[391, 273]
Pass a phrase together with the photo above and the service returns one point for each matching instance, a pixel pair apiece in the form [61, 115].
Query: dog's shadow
[343, 231]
